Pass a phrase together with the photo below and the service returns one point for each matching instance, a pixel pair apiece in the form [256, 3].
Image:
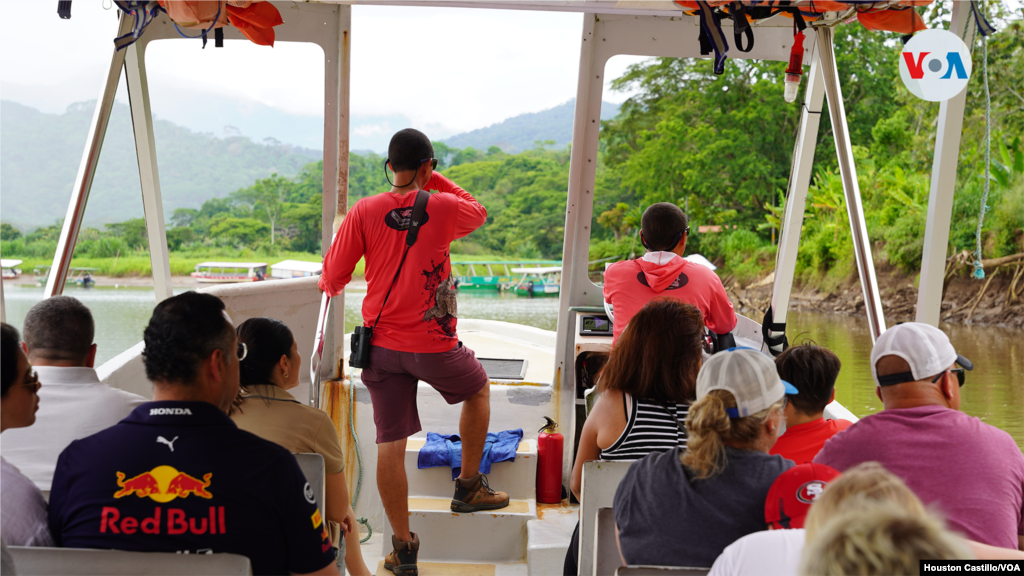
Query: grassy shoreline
[138, 265]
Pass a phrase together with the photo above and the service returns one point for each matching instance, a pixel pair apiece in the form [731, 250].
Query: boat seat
[312, 466]
[40, 561]
[606, 549]
[661, 571]
[600, 479]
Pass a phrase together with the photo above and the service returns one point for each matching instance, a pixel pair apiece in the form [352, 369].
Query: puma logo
[170, 443]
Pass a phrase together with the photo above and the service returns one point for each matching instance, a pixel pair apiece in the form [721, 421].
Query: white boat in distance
[230, 272]
[10, 269]
[295, 269]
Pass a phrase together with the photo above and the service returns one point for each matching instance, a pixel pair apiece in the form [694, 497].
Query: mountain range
[208, 151]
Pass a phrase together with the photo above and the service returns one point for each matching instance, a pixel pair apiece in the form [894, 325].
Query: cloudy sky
[454, 70]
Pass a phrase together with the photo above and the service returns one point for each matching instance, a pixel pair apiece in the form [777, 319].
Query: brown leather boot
[474, 494]
[402, 561]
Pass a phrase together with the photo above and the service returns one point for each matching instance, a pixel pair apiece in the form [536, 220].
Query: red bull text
[177, 522]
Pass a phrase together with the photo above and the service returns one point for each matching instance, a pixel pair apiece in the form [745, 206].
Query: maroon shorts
[392, 381]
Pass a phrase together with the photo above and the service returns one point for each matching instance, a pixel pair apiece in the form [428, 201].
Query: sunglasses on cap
[960, 376]
[892, 379]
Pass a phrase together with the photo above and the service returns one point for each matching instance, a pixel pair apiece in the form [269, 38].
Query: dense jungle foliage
[719, 146]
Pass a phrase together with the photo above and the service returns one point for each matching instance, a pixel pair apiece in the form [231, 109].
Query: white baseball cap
[748, 375]
[924, 347]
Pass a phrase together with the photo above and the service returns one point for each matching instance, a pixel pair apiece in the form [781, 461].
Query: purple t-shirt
[974, 472]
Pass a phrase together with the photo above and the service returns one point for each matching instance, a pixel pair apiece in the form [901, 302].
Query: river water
[994, 391]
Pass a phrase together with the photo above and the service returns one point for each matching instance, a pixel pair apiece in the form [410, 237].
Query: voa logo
[935, 65]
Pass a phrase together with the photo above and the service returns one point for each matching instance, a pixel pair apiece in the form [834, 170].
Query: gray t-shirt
[667, 518]
[23, 519]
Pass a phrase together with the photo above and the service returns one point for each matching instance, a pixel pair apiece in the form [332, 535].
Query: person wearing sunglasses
[971, 471]
[411, 309]
[23, 520]
[177, 475]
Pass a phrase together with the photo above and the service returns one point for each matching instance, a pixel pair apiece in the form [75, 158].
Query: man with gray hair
[73, 403]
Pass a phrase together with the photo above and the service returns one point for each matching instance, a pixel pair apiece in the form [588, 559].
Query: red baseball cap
[793, 492]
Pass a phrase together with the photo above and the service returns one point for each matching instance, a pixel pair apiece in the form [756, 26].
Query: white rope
[979, 269]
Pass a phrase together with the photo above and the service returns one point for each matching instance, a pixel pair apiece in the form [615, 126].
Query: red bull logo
[163, 484]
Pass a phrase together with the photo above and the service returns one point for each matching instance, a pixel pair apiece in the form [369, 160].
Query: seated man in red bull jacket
[177, 475]
[662, 271]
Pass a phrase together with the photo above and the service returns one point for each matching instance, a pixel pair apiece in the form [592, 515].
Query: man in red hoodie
[415, 337]
[663, 271]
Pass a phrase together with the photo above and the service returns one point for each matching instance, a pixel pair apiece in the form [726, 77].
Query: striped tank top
[650, 427]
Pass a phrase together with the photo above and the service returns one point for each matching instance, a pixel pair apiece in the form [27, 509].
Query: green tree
[8, 232]
[244, 231]
[266, 196]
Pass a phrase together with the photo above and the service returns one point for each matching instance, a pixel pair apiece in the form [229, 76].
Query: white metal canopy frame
[610, 28]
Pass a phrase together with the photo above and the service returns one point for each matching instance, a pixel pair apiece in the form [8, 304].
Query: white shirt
[22, 509]
[771, 552]
[73, 404]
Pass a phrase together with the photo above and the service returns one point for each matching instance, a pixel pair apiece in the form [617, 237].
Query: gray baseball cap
[748, 375]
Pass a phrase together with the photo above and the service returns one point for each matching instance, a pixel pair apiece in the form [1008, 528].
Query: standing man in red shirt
[662, 271]
[415, 337]
[813, 370]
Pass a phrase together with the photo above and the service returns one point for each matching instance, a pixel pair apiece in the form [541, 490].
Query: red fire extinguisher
[549, 464]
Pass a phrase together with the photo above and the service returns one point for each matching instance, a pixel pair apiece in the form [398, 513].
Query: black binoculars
[360, 357]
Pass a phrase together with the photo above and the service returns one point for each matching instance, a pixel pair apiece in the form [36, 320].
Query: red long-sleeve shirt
[420, 315]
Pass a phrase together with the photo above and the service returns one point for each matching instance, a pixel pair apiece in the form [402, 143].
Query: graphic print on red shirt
[421, 312]
[630, 284]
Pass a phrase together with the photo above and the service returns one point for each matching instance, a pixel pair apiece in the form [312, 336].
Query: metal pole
[940, 196]
[796, 196]
[848, 172]
[338, 65]
[149, 177]
[86, 171]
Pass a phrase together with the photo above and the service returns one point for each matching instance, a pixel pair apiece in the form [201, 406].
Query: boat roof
[7, 263]
[299, 265]
[231, 264]
[544, 270]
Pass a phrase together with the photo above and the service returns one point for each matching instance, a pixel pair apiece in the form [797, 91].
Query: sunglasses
[32, 381]
[960, 376]
[433, 162]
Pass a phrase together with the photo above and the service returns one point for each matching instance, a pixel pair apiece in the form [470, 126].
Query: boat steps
[524, 538]
[517, 478]
[485, 536]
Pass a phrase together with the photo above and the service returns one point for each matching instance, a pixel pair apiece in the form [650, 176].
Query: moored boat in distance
[540, 281]
[230, 272]
[295, 269]
[77, 276]
[10, 269]
[500, 274]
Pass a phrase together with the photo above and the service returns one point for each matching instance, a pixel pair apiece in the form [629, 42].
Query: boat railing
[295, 303]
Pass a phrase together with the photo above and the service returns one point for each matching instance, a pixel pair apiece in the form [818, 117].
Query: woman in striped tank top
[646, 389]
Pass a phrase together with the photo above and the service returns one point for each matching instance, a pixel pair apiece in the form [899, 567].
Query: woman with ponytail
[265, 408]
[683, 507]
